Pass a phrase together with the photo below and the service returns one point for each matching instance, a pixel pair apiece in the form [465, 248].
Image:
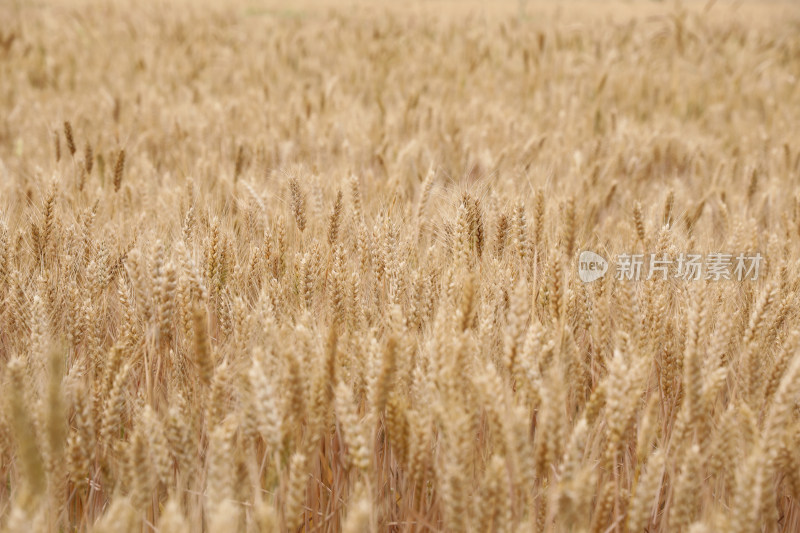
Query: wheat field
[315, 267]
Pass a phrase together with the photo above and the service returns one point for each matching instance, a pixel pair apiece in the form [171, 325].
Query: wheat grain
[327, 273]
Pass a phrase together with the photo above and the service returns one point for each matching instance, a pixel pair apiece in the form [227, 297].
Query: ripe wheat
[316, 268]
